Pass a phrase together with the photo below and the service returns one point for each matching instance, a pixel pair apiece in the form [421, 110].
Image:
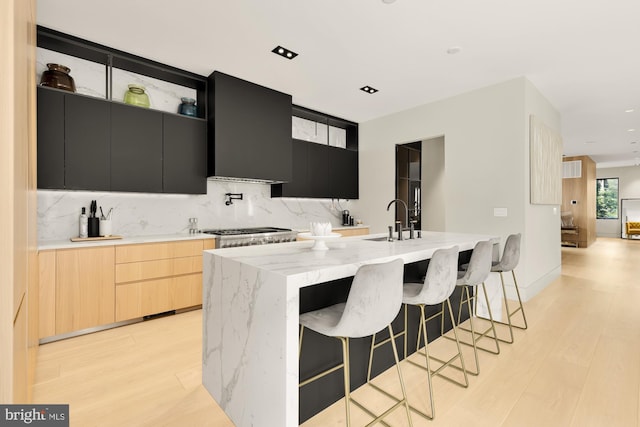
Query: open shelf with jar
[106, 73]
[97, 137]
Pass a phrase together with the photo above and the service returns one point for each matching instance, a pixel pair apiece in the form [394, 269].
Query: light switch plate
[499, 211]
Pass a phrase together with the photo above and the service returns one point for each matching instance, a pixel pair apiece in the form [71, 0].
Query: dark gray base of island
[320, 352]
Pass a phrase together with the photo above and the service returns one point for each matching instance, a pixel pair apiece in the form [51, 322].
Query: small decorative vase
[136, 96]
[188, 107]
[57, 76]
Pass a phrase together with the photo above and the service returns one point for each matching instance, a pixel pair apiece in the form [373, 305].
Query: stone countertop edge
[302, 267]
[340, 227]
[129, 240]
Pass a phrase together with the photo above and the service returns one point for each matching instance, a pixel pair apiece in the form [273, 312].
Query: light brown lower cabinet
[147, 297]
[153, 278]
[85, 294]
[346, 232]
[88, 287]
[47, 294]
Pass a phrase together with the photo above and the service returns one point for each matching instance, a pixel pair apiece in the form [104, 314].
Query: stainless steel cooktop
[232, 237]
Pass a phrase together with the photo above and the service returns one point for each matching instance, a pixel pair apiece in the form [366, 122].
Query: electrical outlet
[499, 211]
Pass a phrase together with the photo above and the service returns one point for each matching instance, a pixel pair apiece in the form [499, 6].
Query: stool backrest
[442, 274]
[479, 264]
[374, 300]
[511, 253]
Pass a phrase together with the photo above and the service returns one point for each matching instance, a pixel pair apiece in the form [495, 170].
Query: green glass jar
[136, 96]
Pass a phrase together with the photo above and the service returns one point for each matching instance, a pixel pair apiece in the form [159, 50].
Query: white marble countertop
[304, 267]
[128, 240]
[338, 228]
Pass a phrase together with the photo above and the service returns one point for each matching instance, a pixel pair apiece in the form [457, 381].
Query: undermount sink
[378, 239]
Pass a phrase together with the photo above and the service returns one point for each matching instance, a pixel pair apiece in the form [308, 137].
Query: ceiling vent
[572, 169]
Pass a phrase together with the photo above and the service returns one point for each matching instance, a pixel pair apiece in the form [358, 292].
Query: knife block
[94, 227]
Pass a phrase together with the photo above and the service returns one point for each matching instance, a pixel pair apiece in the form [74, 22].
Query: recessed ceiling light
[634, 142]
[369, 89]
[454, 49]
[284, 52]
[388, 1]
[629, 110]
[631, 130]
[589, 142]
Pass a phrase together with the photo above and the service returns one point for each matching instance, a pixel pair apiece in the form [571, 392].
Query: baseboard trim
[534, 288]
[86, 331]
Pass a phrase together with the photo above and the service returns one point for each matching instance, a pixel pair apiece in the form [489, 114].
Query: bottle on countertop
[84, 224]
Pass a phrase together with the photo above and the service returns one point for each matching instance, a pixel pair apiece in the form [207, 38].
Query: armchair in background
[569, 231]
[632, 228]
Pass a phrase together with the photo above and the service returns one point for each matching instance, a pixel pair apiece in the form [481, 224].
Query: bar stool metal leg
[459, 355]
[423, 327]
[521, 307]
[476, 336]
[508, 262]
[510, 313]
[404, 400]
[347, 378]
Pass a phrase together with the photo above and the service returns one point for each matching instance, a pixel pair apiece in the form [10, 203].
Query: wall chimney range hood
[249, 131]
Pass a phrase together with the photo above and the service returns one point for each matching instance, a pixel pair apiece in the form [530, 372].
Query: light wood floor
[578, 364]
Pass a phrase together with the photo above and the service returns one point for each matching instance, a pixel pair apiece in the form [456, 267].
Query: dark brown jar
[57, 76]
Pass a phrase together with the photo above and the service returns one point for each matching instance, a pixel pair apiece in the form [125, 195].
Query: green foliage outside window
[607, 198]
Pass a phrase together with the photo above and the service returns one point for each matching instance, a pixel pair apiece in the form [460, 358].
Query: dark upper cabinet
[321, 171]
[185, 155]
[343, 173]
[327, 171]
[136, 149]
[318, 166]
[50, 138]
[86, 143]
[299, 183]
[249, 130]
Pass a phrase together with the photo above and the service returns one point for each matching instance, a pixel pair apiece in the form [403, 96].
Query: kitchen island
[251, 306]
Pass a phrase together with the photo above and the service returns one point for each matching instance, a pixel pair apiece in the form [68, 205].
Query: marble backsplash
[321, 133]
[142, 214]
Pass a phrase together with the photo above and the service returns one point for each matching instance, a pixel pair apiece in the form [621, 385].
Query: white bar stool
[374, 301]
[508, 263]
[439, 283]
[476, 273]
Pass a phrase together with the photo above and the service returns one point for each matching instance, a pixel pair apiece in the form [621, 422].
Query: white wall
[543, 255]
[628, 187]
[486, 166]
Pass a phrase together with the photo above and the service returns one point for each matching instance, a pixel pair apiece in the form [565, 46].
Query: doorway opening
[408, 182]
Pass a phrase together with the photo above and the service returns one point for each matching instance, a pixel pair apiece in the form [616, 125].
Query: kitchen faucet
[406, 217]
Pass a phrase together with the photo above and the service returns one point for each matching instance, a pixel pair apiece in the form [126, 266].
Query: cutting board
[93, 239]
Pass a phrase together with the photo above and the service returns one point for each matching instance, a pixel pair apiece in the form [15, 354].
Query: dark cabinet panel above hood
[249, 131]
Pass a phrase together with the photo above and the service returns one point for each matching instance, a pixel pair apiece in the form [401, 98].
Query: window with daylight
[607, 198]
